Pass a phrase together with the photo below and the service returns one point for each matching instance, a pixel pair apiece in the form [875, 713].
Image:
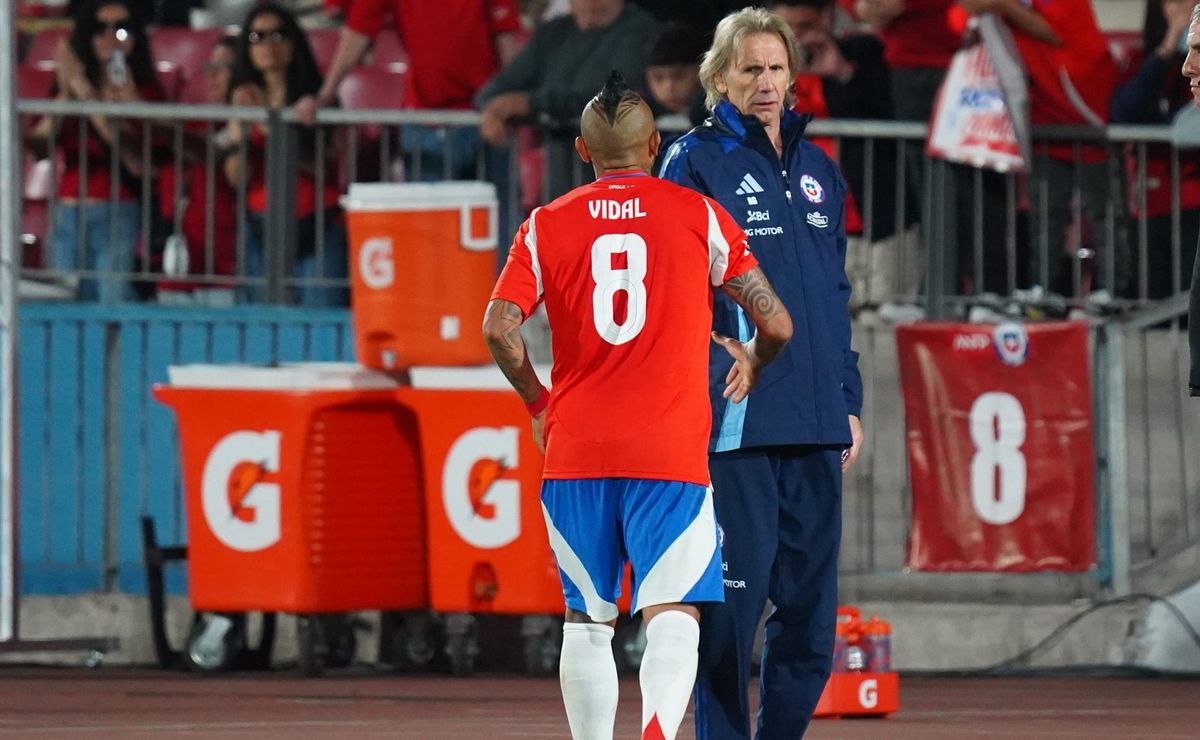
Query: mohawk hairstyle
[615, 93]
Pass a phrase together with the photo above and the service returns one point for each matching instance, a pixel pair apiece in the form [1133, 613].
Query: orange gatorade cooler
[423, 263]
[301, 489]
[488, 549]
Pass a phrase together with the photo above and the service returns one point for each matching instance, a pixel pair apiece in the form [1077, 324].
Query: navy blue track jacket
[792, 212]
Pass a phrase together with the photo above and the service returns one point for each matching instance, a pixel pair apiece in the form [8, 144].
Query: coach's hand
[539, 431]
[850, 455]
[744, 373]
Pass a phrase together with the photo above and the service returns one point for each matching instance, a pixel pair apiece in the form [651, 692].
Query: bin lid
[482, 377]
[286, 376]
[419, 196]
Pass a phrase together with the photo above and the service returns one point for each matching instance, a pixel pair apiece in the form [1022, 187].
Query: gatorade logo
[241, 508]
[868, 693]
[376, 264]
[483, 507]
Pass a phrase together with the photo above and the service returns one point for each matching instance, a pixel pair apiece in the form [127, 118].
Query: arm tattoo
[752, 291]
[502, 332]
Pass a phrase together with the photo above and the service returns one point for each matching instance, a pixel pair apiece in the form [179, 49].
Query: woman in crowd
[107, 58]
[275, 67]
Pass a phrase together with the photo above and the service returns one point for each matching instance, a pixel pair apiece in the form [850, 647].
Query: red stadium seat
[184, 48]
[171, 78]
[324, 43]
[373, 88]
[41, 47]
[34, 82]
[370, 88]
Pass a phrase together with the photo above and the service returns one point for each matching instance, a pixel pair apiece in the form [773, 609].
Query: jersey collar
[618, 175]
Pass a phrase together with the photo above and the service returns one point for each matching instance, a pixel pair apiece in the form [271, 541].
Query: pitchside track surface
[121, 703]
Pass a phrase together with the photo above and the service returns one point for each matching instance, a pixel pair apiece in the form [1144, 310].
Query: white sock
[587, 673]
[668, 671]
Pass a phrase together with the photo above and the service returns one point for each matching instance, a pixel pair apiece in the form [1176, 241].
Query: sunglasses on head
[117, 27]
[274, 35]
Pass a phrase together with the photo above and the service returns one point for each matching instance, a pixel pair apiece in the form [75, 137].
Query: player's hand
[850, 456]
[744, 373]
[539, 431]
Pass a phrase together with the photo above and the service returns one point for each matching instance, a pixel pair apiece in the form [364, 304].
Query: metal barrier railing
[933, 233]
[1149, 432]
[282, 168]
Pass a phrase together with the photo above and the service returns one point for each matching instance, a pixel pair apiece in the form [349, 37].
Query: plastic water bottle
[877, 643]
[841, 641]
[845, 635]
[856, 659]
[118, 70]
[175, 255]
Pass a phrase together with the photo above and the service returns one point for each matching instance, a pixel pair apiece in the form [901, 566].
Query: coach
[777, 458]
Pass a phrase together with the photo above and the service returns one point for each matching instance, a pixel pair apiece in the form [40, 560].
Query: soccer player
[625, 267]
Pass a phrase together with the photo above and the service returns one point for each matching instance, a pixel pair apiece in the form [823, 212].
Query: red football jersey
[625, 266]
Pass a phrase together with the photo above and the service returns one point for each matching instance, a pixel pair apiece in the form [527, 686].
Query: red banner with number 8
[998, 423]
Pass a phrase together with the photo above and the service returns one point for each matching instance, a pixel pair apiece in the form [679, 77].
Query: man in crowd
[777, 458]
[626, 266]
[554, 75]
[1071, 79]
[435, 34]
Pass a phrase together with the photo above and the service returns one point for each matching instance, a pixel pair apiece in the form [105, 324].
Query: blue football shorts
[666, 529]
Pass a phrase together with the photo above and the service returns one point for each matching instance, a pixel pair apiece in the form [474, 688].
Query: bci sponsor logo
[752, 216]
[971, 342]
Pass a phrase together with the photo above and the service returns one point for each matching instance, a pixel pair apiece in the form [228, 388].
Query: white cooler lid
[482, 377]
[287, 376]
[418, 196]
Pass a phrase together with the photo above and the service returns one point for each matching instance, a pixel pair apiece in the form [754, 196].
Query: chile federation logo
[812, 189]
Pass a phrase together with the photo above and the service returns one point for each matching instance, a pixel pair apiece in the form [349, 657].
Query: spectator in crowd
[1191, 70]
[776, 458]
[919, 40]
[275, 68]
[436, 35]
[1154, 95]
[208, 229]
[1071, 77]
[106, 57]
[552, 78]
[673, 73]
[847, 77]
[920, 37]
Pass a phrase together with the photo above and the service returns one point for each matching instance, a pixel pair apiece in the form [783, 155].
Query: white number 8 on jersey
[609, 282]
